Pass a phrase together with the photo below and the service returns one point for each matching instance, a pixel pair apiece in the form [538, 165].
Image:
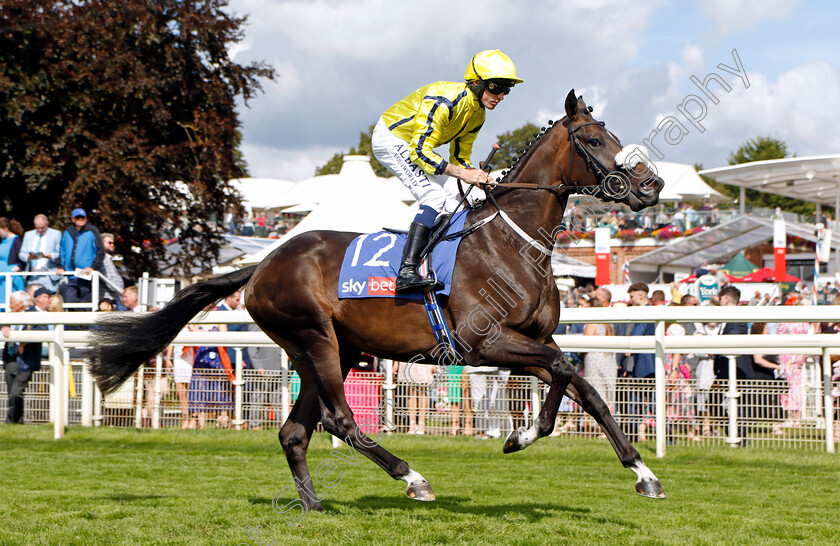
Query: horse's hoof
[650, 488]
[513, 443]
[421, 491]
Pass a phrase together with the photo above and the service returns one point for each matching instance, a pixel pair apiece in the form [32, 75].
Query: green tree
[333, 165]
[128, 110]
[511, 144]
[761, 149]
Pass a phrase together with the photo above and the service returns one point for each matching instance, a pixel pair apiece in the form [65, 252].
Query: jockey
[440, 113]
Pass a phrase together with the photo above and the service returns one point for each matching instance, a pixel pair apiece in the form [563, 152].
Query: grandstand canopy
[814, 178]
[687, 253]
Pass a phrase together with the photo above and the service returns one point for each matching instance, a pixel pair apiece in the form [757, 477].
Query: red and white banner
[602, 256]
[779, 248]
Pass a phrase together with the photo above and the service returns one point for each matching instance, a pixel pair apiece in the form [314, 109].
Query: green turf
[112, 486]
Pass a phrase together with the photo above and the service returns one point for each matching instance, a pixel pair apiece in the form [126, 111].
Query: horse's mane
[529, 146]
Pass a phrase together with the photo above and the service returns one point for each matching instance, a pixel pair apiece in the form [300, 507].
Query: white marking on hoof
[642, 472]
[529, 436]
[413, 477]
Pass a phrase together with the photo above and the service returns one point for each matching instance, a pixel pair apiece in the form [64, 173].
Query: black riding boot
[409, 278]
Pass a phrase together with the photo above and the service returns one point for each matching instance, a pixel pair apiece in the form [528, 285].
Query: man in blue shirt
[81, 249]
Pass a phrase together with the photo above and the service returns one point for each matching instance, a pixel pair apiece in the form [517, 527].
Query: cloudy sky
[341, 63]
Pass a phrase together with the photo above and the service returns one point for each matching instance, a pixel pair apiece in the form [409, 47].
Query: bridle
[603, 175]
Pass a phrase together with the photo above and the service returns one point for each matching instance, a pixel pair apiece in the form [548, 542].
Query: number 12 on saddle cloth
[369, 269]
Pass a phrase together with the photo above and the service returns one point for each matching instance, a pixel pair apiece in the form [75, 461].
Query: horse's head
[599, 165]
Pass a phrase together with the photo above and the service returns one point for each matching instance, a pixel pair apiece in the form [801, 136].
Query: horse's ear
[571, 104]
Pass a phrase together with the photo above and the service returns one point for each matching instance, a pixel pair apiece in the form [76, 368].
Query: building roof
[814, 178]
[721, 241]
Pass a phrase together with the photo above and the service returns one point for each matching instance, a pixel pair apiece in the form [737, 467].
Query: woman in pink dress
[791, 367]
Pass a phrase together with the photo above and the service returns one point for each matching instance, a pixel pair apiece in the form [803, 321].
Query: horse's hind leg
[337, 419]
[295, 435]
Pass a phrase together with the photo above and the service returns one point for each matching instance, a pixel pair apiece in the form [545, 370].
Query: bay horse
[503, 306]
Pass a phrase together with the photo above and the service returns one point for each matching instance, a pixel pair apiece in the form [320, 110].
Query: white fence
[732, 407]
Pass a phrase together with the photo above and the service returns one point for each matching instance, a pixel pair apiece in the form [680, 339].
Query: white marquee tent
[682, 183]
[261, 193]
[354, 200]
[356, 177]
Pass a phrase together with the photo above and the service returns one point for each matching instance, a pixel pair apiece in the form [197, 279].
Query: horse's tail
[120, 345]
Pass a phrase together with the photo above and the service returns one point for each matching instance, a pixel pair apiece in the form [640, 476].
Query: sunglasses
[497, 89]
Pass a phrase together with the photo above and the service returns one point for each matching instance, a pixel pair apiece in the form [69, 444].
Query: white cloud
[733, 15]
[285, 163]
[340, 64]
[801, 108]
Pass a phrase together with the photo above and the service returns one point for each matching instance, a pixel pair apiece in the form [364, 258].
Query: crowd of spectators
[473, 398]
[259, 224]
[695, 382]
[682, 217]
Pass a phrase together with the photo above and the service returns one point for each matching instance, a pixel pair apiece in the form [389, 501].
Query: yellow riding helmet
[491, 64]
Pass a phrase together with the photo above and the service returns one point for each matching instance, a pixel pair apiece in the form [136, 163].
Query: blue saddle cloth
[369, 269]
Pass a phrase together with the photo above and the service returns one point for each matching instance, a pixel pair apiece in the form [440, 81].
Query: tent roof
[720, 241]
[682, 183]
[360, 214]
[355, 178]
[739, 266]
[261, 193]
[565, 266]
[813, 178]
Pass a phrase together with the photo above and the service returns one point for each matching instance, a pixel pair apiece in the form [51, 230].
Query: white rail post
[285, 395]
[94, 297]
[138, 400]
[732, 395]
[52, 359]
[97, 406]
[536, 401]
[828, 401]
[659, 366]
[237, 390]
[158, 378]
[68, 377]
[87, 396]
[59, 383]
[388, 396]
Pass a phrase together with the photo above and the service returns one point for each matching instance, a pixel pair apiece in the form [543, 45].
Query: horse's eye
[594, 142]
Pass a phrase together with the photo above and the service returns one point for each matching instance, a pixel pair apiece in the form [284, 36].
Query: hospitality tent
[355, 178]
[261, 193]
[682, 183]
[739, 266]
[354, 200]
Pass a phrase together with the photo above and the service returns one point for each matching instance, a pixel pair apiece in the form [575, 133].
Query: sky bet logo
[382, 286]
[376, 286]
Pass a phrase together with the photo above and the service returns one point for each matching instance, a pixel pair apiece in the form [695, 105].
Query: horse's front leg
[584, 394]
[514, 350]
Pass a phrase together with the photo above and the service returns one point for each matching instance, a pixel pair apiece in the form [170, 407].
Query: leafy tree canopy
[761, 149]
[511, 144]
[128, 110]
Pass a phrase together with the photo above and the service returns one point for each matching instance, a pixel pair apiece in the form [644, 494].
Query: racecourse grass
[117, 486]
